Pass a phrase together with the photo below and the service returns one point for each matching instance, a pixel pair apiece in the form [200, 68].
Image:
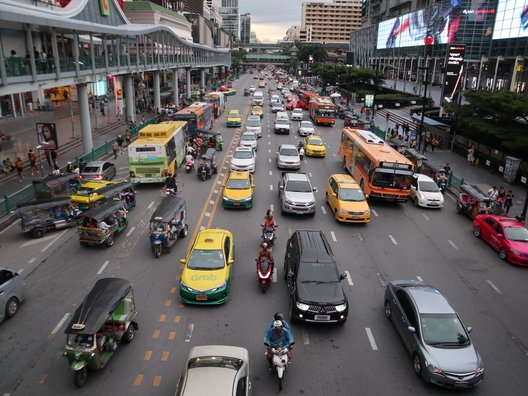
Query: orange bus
[381, 171]
[304, 99]
[323, 110]
[199, 115]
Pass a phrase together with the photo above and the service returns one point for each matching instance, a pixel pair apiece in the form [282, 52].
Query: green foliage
[317, 51]
[238, 56]
[354, 79]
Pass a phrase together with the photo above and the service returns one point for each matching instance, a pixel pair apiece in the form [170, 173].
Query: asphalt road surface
[363, 357]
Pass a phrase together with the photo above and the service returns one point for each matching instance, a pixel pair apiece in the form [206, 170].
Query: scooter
[189, 166]
[442, 184]
[264, 273]
[219, 143]
[279, 362]
[170, 192]
[268, 235]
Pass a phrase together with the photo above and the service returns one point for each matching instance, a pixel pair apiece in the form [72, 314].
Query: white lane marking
[102, 267]
[222, 174]
[188, 334]
[271, 207]
[494, 287]
[393, 240]
[450, 197]
[274, 275]
[306, 338]
[271, 187]
[38, 240]
[59, 325]
[269, 142]
[269, 150]
[382, 280]
[130, 231]
[333, 236]
[20, 270]
[270, 173]
[32, 260]
[9, 226]
[371, 339]
[215, 191]
[150, 205]
[323, 209]
[218, 182]
[202, 228]
[334, 154]
[360, 237]
[452, 244]
[52, 242]
[211, 202]
[269, 159]
[349, 278]
[426, 218]
[419, 278]
[375, 213]
[207, 214]
[310, 174]
[289, 231]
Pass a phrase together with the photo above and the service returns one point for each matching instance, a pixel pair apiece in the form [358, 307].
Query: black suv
[314, 282]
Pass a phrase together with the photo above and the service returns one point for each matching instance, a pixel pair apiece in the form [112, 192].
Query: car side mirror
[253, 186]
[342, 276]
[291, 275]
[411, 329]
[469, 329]
[334, 195]
[223, 185]
[230, 261]
[183, 261]
[314, 189]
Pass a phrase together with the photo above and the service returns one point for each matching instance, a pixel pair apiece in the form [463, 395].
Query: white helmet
[277, 324]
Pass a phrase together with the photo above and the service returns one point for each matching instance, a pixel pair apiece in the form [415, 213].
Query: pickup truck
[296, 193]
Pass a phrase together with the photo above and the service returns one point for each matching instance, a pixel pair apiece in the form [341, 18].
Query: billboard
[453, 73]
[511, 20]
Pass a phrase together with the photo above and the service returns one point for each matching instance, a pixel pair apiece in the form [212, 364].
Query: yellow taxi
[262, 84]
[314, 146]
[234, 119]
[238, 190]
[257, 110]
[280, 86]
[346, 199]
[229, 92]
[206, 276]
[87, 194]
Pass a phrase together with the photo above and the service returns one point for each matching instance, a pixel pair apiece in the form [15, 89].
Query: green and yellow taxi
[234, 119]
[229, 92]
[238, 190]
[262, 84]
[346, 199]
[314, 146]
[257, 110]
[87, 194]
[206, 276]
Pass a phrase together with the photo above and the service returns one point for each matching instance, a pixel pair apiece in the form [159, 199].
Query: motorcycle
[279, 362]
[264, 273]
[204, 171]
[170, 192]
[219, 143]
[189, 166]
[268, 234]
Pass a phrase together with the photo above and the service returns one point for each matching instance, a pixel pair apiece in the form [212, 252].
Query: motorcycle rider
[265, 253]
[189, 159]
[279, 316]
[278, 337]
[170, 183]
[269, 222]
[301, 152]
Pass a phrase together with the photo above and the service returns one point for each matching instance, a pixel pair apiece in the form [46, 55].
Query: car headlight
[433, 369]
[341, 307]
[342, 211]
[221, 286]
[479, 371]
[301, 306]
[515, 252]
[184, 286]
[288, 201]
[225, 198]
[367, 212]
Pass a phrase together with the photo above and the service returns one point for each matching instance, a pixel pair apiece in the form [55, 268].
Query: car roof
[249, 133]
[239, 175]
[234, 111]
[314, 137]
[313, 247]
[95, 163]
[243, 148]
[345, 180]
[253, 117]
[222, 350]
[287, 146]
[429, 300]
[211, 239]
[505, 220]
[422, 177]
[297, 176]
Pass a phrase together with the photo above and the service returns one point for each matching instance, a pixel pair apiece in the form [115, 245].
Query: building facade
[230, 17]
[214, 11]
[245, 28]
[331, 22]
[298, 33]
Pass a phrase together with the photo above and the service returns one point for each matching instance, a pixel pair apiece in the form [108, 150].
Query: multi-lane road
[363, 357]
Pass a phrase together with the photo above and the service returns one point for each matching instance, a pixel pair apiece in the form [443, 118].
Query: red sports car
[506, 235]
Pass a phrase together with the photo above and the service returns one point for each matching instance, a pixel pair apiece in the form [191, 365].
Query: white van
[258, 98]
[282, 123]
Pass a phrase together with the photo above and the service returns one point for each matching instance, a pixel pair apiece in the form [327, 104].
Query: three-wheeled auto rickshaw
[208, 164]
[100, 225]
[472, 201]
[416, 157]
[105, 319]
[93, 192]
[399, 144]
[353, 121]
[211, 139]
[56, 186]
[41, 216]
[168, 223]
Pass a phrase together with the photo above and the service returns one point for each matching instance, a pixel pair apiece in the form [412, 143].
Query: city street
[364, 357]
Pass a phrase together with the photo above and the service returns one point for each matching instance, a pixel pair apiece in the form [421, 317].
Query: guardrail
[8, 203]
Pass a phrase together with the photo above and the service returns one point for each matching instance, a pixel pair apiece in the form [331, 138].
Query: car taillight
[98, 177]
[81, 177]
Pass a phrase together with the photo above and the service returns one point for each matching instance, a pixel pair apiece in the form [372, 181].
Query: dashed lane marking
[157, 380]
[148, 356]
[270, 173]
[202, 228]
[215, 191]
[9, 226]
[349, 278]
[177, 319]
[53, 241]
[211, 202]
[162, 318]
[452, 244]
[310, 174]
[269, 150]
[269, 159]
[419, 278]
[274, 275]
[494, 287]
[323, 209]
[32, 260]
[130, 231]
[39, 240]
[168, 302]
[189, 331]
[393, 240]
[425, 216]
[156, 334]
[333, 236]
[150, 205]
[271, 187]
[42, 378]
[138, 380]
[306, 338]
[360, 237]
[207, 214]
[290, 232]
[381, 279]
[272, 208]
[172, 335]
[375, 213]
[102, 267]
[165, 356]
[59, 325]
[173, 290]
[371, 339]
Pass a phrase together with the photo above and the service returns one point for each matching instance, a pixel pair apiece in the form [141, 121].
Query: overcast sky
[271, 18]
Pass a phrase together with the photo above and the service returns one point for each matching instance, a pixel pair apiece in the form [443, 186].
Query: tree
[354, 79]
[496, 118]
[238, 56]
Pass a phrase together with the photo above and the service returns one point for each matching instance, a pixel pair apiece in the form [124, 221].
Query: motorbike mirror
[252, 186]
[266, 344]
[183, 261]
[223, 185]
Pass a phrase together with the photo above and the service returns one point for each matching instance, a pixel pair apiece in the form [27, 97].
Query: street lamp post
[424, 99]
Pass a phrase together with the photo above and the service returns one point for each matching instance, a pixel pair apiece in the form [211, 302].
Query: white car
[254, 125]
[306, 128]
[425, 192]
[252, 88]
[249, 139]
[297, 115]
[288, 157]
[276, 107]
[243, 159]
[275, 99]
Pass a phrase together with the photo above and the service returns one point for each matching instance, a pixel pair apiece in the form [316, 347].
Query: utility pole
[424, 100]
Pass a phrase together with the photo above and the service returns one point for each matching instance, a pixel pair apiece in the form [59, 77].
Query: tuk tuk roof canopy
[99, 212]
[113, 189]
[98, 305]
[56, 179]
[167, 208]
[43, 204]
[475, 192]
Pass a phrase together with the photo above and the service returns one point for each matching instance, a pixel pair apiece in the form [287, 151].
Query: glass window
[206, 259]
[351, 194]
[428, 186]
[289, 152]
[170, 149]
[519, 234]
[238, 184]
[443, 330]
[298, 186]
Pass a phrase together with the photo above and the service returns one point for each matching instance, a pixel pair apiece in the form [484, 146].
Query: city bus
[198, 115]
[304, 99]
[218, 101]
[380, 170]
[323, 110]
[158, 150]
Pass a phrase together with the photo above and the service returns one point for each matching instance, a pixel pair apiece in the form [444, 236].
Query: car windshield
[206, 259]
[443, 330]
[215, 361]
[428, 186]
[90, 169]
[243, 154]
[299, 186]
[249, 136]
[518, 234]
[351, 194]
[233, 114]
[315, 142]
[289, 152]
[390, 178]
[317, 273]
[306, 124]
[285, 122]
[255, 122]
[238, 184]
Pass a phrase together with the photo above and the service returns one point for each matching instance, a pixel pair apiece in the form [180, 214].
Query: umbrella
[335, 95]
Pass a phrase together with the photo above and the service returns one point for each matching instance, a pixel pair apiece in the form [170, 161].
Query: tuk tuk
[472, 201]
[211, 139]
[208, 164]
[168, 223]
[41, 216]
[105, 319]
[399, 144]
[100, 225]
[56, 186]
[416, 158]
[351, 120]
[93, 192]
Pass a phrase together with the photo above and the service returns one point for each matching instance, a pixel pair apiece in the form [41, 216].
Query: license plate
[433, 204]
[236, 203]
[461, 384]
[322, 317]
[201, 297]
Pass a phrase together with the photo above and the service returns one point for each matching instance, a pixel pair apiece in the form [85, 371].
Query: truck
[296, 194]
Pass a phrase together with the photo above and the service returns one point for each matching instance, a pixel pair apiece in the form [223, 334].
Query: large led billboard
[511, 20]
[453, 75]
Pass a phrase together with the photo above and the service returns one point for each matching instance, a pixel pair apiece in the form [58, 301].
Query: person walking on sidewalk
[19, 165]
[115, 148]
[32, 158]
[119, 140]
[128, 138]
[508, 201]
[471, 155]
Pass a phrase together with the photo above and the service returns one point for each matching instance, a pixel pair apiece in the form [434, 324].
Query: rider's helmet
[264, 245]
[277, 324]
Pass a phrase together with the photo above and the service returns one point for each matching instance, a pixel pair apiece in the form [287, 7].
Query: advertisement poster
[47, 136]
[511, 20]
[369, 100]
[454, 72]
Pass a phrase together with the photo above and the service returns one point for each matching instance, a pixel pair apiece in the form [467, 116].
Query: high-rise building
[298, 33]
[214, 10]
[331, 22]
[253, 38]
[230, 17]
[245, 28]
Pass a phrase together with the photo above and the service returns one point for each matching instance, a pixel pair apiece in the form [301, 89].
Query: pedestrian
[30, 107]
[19, 165]
[115, 148]
[433, 143]
[56, 169]
[501, 194]
[82, 164]
[447, 168]
[427, 142]
[69, 167]
[128, 138]
[508, 201]
[493, 193]
[102, 107]
[119, 140]
[32, 158]
[471, 155]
